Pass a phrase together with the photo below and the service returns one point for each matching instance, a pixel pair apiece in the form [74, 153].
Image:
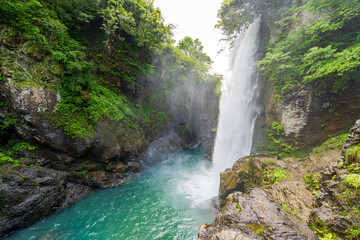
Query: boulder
[247, 172]
[29, 193]
[254, 216]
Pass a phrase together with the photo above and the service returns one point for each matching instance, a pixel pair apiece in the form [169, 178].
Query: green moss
[329, 236]
[4, 159]
[312, 181]
[278, 175]
[275, 142]
[332, 143]
[238, 207]
[82, 173]
[352, 154]
[256, 228]
[353, 180]
[352, 233]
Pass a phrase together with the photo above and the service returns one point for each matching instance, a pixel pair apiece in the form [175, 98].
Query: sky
[196, 19]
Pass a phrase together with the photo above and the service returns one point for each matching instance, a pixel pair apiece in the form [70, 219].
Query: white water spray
[239, 103]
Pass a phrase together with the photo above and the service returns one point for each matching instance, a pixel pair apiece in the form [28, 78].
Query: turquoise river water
[168, 201]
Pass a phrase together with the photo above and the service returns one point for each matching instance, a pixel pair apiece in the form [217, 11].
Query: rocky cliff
[58, 169]
[299, 198]
[311, 105]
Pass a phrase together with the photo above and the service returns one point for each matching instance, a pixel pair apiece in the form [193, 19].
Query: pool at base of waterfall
[168, 201]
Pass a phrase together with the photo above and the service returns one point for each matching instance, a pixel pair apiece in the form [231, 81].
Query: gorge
[108, 124]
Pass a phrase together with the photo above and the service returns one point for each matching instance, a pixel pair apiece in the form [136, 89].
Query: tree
[194, 48]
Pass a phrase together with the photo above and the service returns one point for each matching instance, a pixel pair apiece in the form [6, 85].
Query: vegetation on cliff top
[103, 46]
[325, 50]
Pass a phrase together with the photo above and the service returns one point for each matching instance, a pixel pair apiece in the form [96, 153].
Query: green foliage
[236, 15]
[275, 133]
[138, 19]
[322, 231]
[325, 51]
[78, 115]
[22, 146]
[183, 128]
[352, 154]
[328, 236]
[9, 151]
[103, 47]
[352, 233]
[194, 49]
[82, 173]
[8, 122]
[5, 159]
[256, 228]
[312, 181]
[238, 207]
[279, 175]
[332, 143]
[276, 175]
[283, 205]
[354, 168]
[352, 180]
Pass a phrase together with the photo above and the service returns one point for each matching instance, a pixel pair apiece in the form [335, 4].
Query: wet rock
[73, 192]
[161, 148]
[102, 179]
[29, 193]
[246, 173]
[254, 216]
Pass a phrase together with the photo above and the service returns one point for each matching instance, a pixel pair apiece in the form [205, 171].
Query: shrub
[4, 159]
[353, 154]
[352, 180]
[277, 175]
[311, 181]
[329, 236]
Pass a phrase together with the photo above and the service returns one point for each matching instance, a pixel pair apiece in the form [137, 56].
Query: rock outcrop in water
[28, 194]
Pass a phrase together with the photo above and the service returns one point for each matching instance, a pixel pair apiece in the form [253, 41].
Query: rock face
[310, 117]
[28, 194]
[293, 194]
[353, 139]
[310, 112]
[254, 216]
[161, 148]
[246, 173]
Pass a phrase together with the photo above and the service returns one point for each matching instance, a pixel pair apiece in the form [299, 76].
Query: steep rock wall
[72, 167]
[311, 112]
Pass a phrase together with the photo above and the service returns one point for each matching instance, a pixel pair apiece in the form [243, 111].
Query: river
[168, 201]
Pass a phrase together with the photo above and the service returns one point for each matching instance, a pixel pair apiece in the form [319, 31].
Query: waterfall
[239, 102]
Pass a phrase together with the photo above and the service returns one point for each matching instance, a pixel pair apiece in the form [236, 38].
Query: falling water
[239, 102]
